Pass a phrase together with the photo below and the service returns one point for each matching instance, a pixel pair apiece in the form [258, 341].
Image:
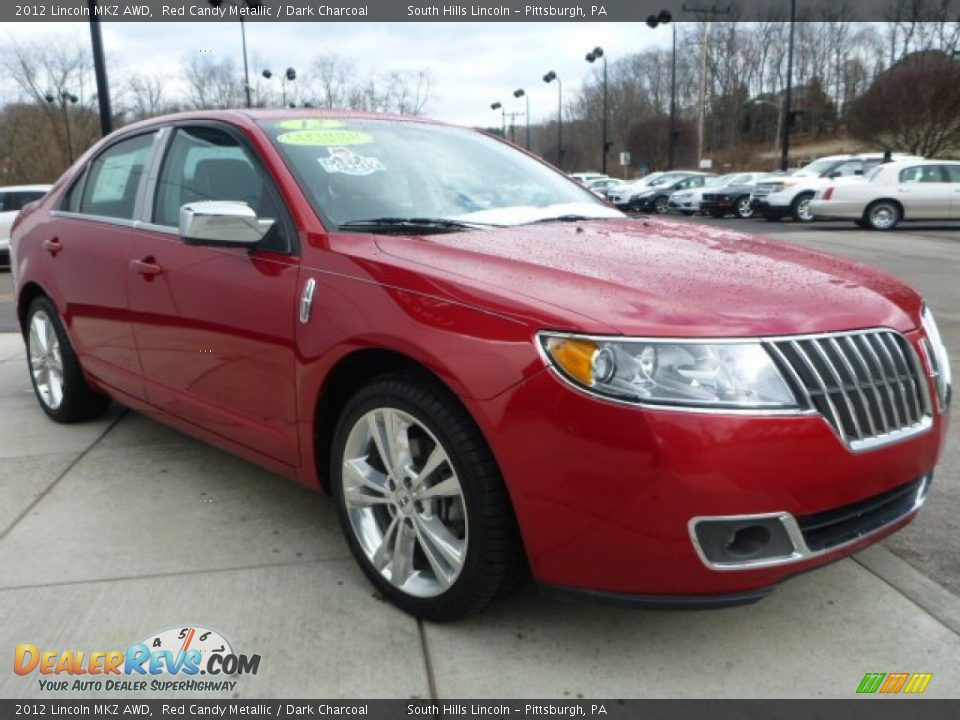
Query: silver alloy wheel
[661, 205]
[883, 216]
[46, 363]
[404, 502]
[743, 208]
[803, 209]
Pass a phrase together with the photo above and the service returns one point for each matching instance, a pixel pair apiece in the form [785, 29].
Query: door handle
[147, 267]
[53, 246]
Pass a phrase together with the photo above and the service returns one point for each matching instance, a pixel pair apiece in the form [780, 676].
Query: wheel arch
[893, 201]
[28, 293]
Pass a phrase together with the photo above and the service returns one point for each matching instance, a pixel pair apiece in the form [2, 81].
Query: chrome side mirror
[222, 222]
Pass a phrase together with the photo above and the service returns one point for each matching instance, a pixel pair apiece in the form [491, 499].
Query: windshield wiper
[566, 218]
[407, 224]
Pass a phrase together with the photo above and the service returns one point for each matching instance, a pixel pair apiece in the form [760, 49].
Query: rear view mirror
[222, 222]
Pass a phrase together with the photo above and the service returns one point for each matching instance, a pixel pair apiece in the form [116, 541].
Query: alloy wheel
[744, 210]
[404, 502]
[46, 361]
[661, 205]
[883, 216]
[804, 214]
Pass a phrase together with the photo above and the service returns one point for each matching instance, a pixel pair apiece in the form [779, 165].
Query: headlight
[937, 358]
[661, 372]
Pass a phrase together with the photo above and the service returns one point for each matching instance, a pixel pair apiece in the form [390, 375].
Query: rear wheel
[882, 215]
[421, 501]
[800, 208]
[55, 371]
[743, 208]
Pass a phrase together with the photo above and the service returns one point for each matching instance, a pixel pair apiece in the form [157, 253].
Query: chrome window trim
[801, 551]
[769, 343]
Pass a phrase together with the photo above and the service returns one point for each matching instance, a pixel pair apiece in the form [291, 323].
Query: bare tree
[144, 97]
[212, 84]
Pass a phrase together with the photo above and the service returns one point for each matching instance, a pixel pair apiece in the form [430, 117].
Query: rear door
[86, 260]
[925, 193]
[953, 178]
[215, 325]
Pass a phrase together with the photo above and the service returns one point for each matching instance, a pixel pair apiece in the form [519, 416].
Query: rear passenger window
[921, 174]
[953, 173]
[114, 177]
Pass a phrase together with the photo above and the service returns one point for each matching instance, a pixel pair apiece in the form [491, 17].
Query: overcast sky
[471, 64]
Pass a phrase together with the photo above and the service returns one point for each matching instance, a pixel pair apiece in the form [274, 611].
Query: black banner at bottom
[859, 709]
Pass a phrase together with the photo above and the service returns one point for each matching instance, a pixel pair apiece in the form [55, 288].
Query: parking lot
[113, 530]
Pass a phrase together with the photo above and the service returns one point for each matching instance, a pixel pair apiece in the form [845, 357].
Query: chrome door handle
[147, 267]
[306, 300]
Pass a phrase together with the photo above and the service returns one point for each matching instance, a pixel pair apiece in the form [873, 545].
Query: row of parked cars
[874, 190]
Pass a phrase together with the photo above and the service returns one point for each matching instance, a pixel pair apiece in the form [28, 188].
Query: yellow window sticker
[324, 138]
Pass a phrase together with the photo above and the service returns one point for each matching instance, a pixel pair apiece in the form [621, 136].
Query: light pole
[592, 56]
[290, 75]
[253, 5]
[663, 18]
[503, 118]
[787, 113]
[521, 93]
[548, 78]
[64, 98]
[100, 71]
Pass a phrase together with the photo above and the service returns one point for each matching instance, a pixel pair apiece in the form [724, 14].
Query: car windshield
[413, 174]
[816, 168]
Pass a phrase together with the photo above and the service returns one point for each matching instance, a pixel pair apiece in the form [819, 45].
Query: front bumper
[605, 493]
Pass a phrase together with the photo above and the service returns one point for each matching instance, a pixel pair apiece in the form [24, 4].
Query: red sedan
[489, 368]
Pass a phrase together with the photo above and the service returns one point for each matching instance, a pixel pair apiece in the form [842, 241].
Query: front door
[215, 325]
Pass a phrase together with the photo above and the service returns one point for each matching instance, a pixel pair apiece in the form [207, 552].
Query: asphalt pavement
[113, 530]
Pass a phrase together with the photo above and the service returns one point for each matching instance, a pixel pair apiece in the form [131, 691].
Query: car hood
[663, 277]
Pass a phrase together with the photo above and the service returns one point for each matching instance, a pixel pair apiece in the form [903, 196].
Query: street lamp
[65, 97]
[503, 117]
[549, 78]
[253, 5]
[290, 75]
[664, 18]
[593, 55]
[520, 93]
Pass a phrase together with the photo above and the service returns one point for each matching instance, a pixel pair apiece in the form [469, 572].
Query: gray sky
[471, 64]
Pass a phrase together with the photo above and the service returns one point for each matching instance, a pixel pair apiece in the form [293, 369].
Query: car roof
[26, 188]
[908, 162]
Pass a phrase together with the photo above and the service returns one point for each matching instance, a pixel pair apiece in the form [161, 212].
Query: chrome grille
[868, 385]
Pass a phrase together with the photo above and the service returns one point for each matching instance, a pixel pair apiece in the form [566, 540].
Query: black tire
[882, 215]
[494, 559]
[661, 205]
[79, 402]
[799, 208]
[742, 208]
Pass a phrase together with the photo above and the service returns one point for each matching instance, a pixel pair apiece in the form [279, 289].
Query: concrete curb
[928, 595]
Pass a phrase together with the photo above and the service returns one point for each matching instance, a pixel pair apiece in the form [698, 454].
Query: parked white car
[687, 202]
[585, 178]
[11, 200]
[791, 196]
[895, 191]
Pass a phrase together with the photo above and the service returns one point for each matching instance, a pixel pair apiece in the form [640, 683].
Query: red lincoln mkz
[488, 367]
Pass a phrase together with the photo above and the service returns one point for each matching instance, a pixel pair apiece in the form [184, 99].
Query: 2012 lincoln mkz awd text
[489, 368]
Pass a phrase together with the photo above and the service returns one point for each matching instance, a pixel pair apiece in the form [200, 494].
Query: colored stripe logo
[894, 683]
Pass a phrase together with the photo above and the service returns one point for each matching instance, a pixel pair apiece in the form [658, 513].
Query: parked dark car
[733, 198]
[656, 196]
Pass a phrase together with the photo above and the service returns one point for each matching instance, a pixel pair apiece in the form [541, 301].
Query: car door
[953, 179]
[86, 260]
[215, 325]
[925, 193]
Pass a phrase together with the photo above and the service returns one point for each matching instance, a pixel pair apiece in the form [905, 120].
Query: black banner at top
[477, 10]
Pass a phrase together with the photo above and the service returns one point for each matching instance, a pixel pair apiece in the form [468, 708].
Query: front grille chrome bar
[868, 385]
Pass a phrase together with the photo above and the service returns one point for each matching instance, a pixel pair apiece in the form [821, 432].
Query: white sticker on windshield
[346, 161]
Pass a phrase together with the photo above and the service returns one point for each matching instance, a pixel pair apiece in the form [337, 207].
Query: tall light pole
[64, 98]
[593, 55]
[253, 5]
[663, 18]
[290, 75]
[521, 93]
[100, 71]
[711, 12]
[787, 113]
[503, 118]
[549, 78]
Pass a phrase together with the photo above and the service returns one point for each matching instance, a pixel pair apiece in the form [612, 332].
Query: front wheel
[55, 371]
[661, 205]
[744, 209]
[800, 208]
[421, 501]
[883, 215]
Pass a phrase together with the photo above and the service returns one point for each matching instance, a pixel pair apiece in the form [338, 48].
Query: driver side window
[205, 163]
